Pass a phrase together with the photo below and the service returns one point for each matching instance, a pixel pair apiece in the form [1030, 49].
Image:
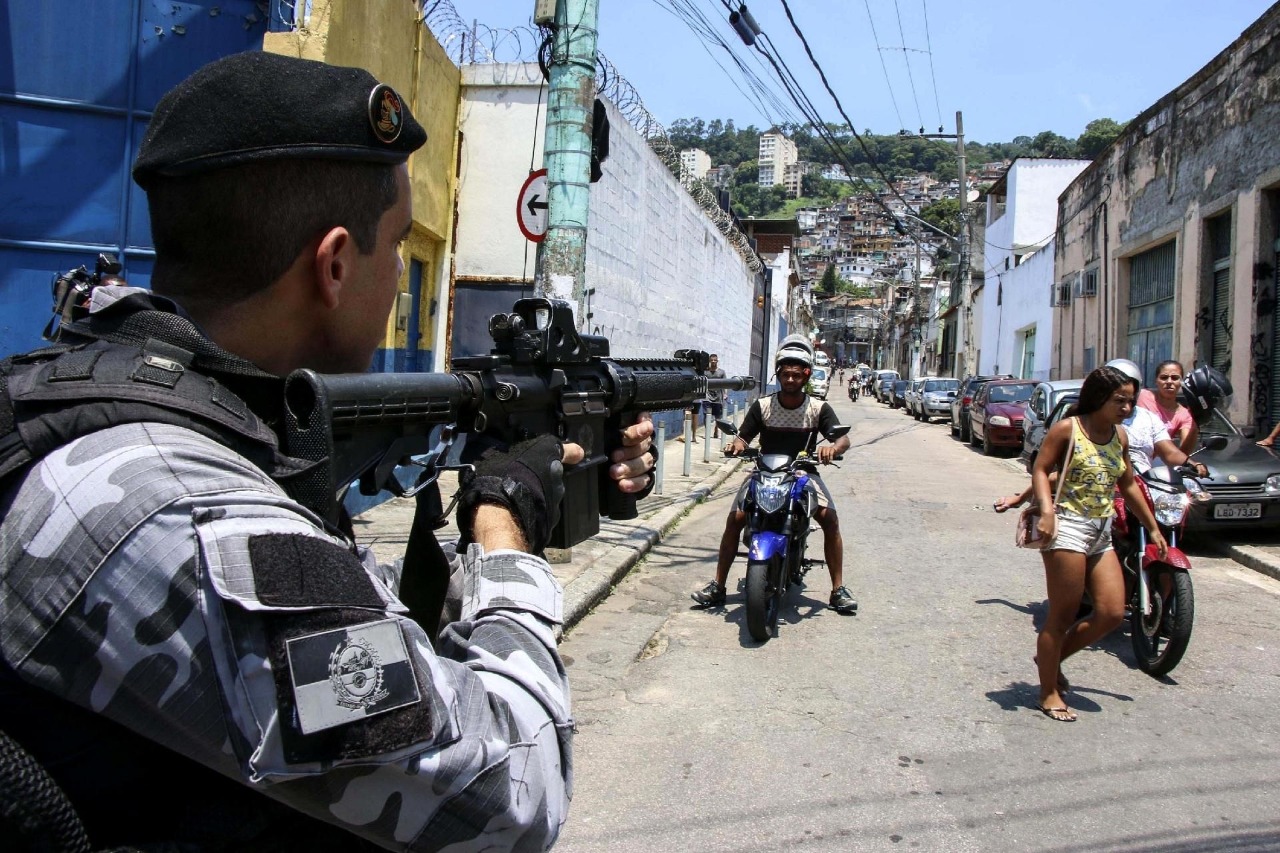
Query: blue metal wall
[77, 86]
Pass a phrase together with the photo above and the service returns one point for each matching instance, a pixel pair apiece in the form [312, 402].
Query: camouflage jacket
[157, 578]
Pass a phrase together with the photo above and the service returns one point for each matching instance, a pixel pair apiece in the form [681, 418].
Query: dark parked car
[1243, 482]
[898, 396]
[995, 416]
[1038, 409]
[884, 385]
[963, 399]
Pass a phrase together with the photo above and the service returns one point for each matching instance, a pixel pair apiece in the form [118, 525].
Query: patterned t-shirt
[1091, 475]
[784, 430]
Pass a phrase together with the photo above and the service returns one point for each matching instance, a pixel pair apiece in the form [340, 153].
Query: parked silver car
[1042, 403]
[935, 398]
[912, 397]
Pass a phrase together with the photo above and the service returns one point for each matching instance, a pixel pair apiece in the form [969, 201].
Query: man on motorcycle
[786, 423]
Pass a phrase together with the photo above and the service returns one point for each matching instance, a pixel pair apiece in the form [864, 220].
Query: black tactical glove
[527, 479]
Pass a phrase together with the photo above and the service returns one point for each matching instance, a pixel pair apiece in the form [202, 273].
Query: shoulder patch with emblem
[348, 674]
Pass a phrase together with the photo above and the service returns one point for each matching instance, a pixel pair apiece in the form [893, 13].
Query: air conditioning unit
[1089, 283]
[1064, 293]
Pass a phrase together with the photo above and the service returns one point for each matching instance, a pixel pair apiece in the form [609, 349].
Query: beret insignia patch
[386, 113]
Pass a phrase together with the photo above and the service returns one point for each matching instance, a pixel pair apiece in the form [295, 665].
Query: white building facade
[694, 164]
[776, 153]
[1017, 299]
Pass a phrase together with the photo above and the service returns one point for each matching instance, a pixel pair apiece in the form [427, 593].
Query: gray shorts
[815, 487]
[1088, 536]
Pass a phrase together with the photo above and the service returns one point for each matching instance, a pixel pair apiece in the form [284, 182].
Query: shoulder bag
[1027, 534]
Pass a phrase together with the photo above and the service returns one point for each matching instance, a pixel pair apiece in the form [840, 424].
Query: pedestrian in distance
[786, 422]
[201, 662]
[1077, 526]
[712, 404]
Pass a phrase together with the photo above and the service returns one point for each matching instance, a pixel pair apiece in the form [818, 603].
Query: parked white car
[820, 382]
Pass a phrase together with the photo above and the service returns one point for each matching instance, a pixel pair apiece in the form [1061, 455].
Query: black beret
[255, 106]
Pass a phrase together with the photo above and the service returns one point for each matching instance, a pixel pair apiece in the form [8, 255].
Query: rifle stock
[541, 377]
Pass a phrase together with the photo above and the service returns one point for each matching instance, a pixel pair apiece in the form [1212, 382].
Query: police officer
[195, 657]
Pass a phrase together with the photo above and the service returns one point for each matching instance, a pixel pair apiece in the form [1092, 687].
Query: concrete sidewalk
[593, 567]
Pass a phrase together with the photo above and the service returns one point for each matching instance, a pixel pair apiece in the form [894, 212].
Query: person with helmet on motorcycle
[1148, 437]
[786, 422]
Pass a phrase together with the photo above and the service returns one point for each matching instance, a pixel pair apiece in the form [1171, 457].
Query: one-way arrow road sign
[531, 206]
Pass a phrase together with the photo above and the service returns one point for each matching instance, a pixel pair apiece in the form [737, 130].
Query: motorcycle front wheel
[1161, 639]
[763, 599]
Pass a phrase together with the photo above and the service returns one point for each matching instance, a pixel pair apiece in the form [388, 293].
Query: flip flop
[1061, 715]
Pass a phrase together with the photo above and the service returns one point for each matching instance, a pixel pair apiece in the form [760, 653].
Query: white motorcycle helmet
[1128, 368]
[795, 349]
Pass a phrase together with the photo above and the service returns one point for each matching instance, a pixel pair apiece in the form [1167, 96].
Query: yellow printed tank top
[1091, 475]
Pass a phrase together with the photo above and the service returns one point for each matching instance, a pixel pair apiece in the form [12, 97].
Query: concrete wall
[664, 277]
[388, 40]
[1204, 150]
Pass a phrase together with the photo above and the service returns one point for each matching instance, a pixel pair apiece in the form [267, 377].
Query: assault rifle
[542, 376]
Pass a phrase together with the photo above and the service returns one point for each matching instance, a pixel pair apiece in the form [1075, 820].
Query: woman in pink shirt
[1164, 403]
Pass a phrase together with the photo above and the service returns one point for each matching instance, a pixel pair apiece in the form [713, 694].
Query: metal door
[77, 87]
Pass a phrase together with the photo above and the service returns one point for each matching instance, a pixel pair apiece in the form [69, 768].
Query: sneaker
[842, 600]
[710, 595]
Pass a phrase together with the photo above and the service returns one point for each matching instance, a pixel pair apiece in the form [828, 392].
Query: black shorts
[703, 407]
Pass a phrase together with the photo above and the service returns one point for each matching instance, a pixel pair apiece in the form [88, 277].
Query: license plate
[1237, 511]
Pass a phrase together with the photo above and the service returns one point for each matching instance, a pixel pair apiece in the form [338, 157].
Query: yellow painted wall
[386, 38]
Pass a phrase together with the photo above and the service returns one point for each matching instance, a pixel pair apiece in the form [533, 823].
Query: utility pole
[964, 269]
[562, 256]
[966, 266]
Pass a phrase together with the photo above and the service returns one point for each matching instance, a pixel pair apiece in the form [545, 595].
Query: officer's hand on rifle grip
[527, 480]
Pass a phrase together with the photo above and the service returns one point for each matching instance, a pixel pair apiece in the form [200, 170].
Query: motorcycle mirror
[727, 427]
[1214, 442]
[840, 431]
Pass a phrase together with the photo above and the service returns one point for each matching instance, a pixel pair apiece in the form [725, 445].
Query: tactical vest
[139, 365]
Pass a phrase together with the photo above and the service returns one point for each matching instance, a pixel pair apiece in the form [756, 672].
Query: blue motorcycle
[779, 509]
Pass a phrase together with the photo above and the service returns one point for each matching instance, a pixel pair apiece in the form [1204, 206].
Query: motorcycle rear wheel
[763, 598]
[1161, 639]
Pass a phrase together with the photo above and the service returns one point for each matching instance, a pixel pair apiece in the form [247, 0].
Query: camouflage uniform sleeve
[220, 620]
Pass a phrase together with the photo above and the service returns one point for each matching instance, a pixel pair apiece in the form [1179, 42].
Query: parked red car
[995, 417]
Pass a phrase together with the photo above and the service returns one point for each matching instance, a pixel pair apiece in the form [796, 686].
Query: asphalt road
[912, 725]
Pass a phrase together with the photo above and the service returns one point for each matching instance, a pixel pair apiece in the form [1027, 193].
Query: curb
[591, 587]
[1252, 558]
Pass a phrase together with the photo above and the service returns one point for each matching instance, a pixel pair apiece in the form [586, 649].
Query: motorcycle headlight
[999, 420]
[771, 495]
[1272, 486]
[1170, 508]
[1195, 491]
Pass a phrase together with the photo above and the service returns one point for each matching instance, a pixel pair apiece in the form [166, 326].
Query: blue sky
[1014, 67]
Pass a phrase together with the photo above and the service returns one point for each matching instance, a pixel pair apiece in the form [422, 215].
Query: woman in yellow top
[1078, 527]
